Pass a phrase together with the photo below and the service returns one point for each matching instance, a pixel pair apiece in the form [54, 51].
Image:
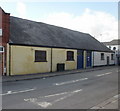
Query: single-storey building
[35, 47]
[115, 46]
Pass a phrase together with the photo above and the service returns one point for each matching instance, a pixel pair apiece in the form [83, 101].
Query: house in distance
[30, 47]
[115, 46]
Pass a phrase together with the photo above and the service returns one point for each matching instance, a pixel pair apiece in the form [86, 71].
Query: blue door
[89, 59]
[79, 59]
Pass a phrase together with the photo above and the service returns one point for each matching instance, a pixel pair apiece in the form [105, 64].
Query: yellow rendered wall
[60, 56]
[22, 60]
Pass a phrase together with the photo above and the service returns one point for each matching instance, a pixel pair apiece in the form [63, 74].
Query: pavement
[50, 74]
[111, 103]
[93, 88]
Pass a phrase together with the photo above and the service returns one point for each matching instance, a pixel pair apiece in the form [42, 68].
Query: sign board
[0, 32]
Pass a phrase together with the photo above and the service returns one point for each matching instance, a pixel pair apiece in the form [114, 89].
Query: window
[112, 56]
[109, 47]
[40, 56]
[0, 32]
[1, 49]
[114, 48]
[70, 56]
[102, 56]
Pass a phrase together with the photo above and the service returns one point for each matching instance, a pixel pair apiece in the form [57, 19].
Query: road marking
[70, 94]
[58, 94]
[95, 107]
[117, 96]
[45, 104]
[104, 74]
[69, 82]
[11, 92]
[54, 95]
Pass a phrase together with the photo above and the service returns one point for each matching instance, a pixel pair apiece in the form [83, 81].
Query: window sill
[70, 60]
[40, 61]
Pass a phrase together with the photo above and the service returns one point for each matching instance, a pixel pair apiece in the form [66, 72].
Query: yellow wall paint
[60, 56]
[22, 60]
[72, 64]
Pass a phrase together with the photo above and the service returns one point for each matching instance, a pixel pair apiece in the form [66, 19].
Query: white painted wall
[112, 46]
[96, 59]
[117, 51]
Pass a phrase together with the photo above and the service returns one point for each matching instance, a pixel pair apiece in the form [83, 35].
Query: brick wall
[1, 61]
[4, 39]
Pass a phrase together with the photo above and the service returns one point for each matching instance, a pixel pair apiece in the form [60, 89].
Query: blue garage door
[89, 59]
[80, 59]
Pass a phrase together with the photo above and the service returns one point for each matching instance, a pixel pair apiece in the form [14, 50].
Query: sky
[100, 19]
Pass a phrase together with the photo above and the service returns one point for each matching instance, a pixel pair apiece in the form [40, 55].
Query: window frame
[38, 59]
[1, 58]
[114, 48]
[70, 57]
[2, 48]
[1, 33]
[109, 47]
[112, 56]
[102, 58]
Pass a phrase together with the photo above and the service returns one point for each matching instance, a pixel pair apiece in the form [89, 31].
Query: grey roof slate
[28, 32]
[113, 42]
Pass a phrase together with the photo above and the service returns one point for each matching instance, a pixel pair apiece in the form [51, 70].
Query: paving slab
[111, 103]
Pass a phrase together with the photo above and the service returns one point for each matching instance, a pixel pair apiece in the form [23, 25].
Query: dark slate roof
[113, 42]
[28, 32]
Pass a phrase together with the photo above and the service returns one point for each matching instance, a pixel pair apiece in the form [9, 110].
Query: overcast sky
[100, 19]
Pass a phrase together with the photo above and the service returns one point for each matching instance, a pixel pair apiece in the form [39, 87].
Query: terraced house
[30, 47]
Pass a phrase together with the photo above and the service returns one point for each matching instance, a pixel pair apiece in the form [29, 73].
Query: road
[76, 91]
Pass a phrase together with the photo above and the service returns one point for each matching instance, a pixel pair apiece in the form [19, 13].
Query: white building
[115, 46]
[102, 58]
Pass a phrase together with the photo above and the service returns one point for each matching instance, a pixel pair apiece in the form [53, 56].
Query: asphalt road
[76, 91]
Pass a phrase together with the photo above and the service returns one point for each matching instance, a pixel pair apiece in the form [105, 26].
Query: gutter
[29, 45]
